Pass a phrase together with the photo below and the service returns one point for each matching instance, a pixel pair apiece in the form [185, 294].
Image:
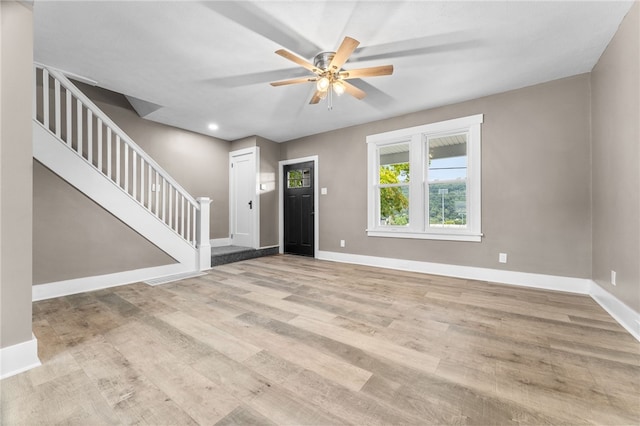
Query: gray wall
[73, 237]
[197, 162]
[616, 159]
[535, 183]
[16, 57]
[269, 158]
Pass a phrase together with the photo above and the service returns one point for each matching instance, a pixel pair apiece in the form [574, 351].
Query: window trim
[417, 137]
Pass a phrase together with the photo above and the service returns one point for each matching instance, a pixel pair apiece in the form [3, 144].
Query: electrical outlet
[342, 243]
[323, 191]
[613, 277]
[502, 258]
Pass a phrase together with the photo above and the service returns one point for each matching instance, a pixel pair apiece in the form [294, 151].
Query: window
[299, 178]
[393, 188]
[424, 181]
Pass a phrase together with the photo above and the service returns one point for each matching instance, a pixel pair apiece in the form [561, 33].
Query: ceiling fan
[329, 75]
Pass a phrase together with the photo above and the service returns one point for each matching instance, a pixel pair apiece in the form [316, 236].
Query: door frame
[316, 214]
[255, 237]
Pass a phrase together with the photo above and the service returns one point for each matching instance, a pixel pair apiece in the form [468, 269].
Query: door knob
[250, 205]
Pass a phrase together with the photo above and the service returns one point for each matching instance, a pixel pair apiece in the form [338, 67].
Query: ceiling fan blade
[293, 81]
[316, 97]
[367, 72]
[344, 51]
[298, 60]
[353, 90]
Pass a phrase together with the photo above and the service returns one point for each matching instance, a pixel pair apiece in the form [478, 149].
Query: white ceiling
[192, 63]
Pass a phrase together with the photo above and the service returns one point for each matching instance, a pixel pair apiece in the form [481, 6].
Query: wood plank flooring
[297, 341]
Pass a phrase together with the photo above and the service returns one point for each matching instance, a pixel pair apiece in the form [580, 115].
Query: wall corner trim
[624, 315]
[19, 358]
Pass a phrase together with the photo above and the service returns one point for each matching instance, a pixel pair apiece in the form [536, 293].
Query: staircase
[77, 141]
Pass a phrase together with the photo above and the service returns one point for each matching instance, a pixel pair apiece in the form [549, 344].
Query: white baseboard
[19, 358]
[525, 279]
[624, 315]
[81, 285]
[220, 242]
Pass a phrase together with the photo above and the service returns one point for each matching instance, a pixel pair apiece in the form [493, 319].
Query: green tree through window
[394, 200]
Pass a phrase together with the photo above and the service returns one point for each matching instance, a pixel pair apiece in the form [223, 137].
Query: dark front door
[298, 208]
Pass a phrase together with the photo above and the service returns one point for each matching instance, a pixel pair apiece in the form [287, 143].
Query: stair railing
[79, 124]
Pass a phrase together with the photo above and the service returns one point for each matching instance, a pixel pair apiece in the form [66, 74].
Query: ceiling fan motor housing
[323, 59]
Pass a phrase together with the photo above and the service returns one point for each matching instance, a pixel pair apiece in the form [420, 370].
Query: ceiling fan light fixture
[323, 84]
[338, 87]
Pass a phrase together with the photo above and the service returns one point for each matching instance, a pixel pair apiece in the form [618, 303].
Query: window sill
[424, 235]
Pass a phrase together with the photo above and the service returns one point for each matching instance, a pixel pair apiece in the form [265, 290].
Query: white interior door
[243, 198]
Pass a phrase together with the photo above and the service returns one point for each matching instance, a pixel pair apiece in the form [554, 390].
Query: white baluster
[99, 130]
[56, 106]
[90, 136]
[176, 208]
[186, 234]
[69, 117]
[142, 180]
[157, 195]
[170, 222]
[117, 160]
[79, 124]
[45, 98]
[193, 231]
[109, 162]
[164, 199]
[182, 215]
[134, 162]
[149, 204]
[126, 168]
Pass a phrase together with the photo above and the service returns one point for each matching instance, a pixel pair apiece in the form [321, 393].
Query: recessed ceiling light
[213, 126]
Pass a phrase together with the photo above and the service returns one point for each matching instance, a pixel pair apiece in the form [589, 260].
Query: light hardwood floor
[291, 340]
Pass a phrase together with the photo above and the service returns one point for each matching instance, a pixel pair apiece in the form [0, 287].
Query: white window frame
[417, 138]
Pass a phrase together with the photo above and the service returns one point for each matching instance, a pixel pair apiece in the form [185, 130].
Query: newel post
[202, 230]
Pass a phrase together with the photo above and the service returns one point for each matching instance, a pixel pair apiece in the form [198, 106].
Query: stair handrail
[68, 85]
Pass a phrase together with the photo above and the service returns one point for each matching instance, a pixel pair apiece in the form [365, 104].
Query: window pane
[299, 178]
[394, 206]
[448, 205]
[394, 163]
[447, 160]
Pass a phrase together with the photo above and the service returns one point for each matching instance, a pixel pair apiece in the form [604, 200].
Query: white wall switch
[263, 186]
[502, 258]
[342, 243]
[613, 277]
[323, 191]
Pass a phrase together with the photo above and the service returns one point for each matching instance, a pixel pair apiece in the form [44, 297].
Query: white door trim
[316, 210]
[255, 238]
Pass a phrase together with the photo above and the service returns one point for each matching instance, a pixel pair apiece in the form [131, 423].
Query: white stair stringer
[65, 162]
